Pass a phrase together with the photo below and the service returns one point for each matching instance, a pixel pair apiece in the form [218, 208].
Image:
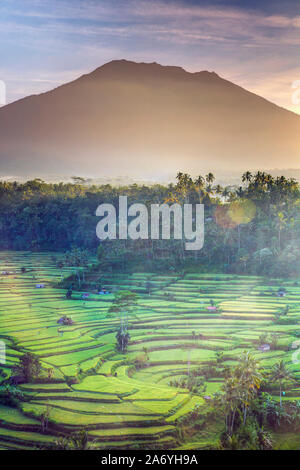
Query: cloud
[74, 35]
[148, 18]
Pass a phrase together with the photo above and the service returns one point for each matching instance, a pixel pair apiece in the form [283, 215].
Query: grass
[94, 386]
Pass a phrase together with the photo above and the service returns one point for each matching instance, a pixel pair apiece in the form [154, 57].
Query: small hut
[264, 347]
[281, 292]
[65, 321]
[207, 397]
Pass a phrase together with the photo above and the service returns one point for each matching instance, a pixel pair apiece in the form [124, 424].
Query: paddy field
[172, 332]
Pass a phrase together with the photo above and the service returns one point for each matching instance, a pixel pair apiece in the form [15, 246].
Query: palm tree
[218, 189]
[199, 181]
[230, 399]
[247, 176]
[239, 388]
[146, 352]
[226, 192]
[60, 265]
[281, 223]
[210, 178]
[199, 187]
[239, 192]
[123, 304]
[281, 373]
[184, 186]
[249, 378]
[77, 441]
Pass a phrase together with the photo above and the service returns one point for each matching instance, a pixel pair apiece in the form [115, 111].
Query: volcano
[145, 119]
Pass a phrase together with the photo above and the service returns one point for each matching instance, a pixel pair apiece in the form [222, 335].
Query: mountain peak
[123, 68]
[148, 118]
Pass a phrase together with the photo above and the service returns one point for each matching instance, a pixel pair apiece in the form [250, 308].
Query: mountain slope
[145, 119]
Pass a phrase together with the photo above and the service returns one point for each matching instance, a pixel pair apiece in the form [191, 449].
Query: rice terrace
[186, 331]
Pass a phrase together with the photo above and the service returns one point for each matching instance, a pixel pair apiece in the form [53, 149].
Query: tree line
[250, 228]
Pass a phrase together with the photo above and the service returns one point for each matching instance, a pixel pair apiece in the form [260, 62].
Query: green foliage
[122, 338]
[69, 294]
[10, 395]
[219, 357]
[3, 375]
[124, 300]
[77, 441]
[29, 367]
[253, 228]
[77, 257]
[247, 437]
[195, 384]
[133, 388]
[247, 410]
[239, 390]
[123, 306]
[280, 373]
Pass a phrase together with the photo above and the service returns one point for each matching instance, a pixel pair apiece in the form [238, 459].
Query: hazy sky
[256, 44]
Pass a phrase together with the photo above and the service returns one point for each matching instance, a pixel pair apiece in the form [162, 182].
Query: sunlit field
[133, 400]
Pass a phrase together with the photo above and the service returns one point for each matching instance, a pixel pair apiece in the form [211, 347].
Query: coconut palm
[239, 192]
[210, 178]
[280, 373]
[247, 177]
[199, 187]
[226, 192]
[230, 399]
[218, 189]
[249, 378]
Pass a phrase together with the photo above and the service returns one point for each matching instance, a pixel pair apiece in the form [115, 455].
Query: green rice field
[172, 332]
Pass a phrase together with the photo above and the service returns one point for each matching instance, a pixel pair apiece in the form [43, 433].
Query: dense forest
[253, 228]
